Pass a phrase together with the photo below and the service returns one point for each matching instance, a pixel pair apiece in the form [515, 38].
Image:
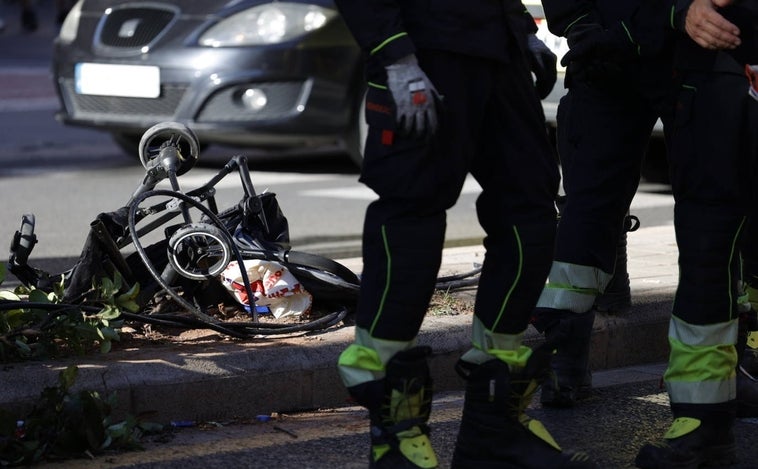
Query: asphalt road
[627, 409]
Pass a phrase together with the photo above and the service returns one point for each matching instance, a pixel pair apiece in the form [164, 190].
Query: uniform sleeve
[645, 25]
[378, 28]
[561, 15]
[650, 23]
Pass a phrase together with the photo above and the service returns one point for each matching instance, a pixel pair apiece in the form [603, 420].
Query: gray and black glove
[415, 97]
[543, 64]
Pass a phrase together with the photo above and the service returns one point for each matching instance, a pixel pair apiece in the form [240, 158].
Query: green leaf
[7, 295]
[109, 333]
[118, 280]
[38, 296]
[129, 305]
[105, 346]
[109, 312]
[107, 288]
[131, 294]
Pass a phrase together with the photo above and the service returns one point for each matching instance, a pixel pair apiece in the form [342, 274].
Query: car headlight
[267, 24]
[70, 25]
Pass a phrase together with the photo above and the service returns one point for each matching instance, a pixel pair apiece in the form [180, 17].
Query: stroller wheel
[198, 251]
[170, 133]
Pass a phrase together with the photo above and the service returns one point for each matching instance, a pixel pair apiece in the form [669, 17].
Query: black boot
[617, 296]
[701, 435]
[495, 432]
[570, 378]
[399, 407]
[747, 368]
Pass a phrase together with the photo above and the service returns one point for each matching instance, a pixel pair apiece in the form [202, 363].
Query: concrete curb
[227, 380]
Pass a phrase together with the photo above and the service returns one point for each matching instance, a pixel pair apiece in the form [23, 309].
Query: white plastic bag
[273, 285]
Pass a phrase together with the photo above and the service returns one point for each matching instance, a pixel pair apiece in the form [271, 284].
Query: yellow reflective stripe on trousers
[703, 335]
[572, 287]
[512, 287]
[488, 345]
[387, 280]
[702, 364]
[365, 359]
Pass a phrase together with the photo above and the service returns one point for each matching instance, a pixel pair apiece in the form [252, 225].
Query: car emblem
[129, 28]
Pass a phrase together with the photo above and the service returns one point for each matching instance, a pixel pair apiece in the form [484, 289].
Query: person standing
[618, 78]
[450, 93]
[713, 157]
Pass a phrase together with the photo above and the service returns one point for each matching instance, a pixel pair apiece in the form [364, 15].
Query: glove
[415, 97]
[591, 41]
[542, 61]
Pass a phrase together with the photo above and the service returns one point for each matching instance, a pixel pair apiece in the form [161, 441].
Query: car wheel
[356, 141]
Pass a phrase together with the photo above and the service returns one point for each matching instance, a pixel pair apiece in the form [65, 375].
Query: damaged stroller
[177, 245]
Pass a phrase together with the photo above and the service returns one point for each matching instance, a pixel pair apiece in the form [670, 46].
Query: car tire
[356, 140]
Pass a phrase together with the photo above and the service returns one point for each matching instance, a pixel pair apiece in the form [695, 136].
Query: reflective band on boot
[414, 450]
[752, 339]
[495, 432]
[691, 443]
[399, 434]
[539, 430]
[681, 427]
[418, 448]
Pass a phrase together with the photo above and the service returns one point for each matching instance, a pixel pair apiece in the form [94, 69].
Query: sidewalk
[260, 376]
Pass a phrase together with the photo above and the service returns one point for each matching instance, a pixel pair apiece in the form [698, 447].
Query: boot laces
[406, 408]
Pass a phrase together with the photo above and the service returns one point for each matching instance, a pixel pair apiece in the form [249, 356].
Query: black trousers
[491, 125]
[714, 162]
[603, 130]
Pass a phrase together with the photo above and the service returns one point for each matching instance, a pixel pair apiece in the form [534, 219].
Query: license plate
[133, 81]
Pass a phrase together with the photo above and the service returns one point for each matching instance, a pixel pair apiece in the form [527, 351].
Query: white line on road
[364, 193]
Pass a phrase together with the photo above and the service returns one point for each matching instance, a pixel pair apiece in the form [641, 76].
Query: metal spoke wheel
[170, 133]
[198, 251]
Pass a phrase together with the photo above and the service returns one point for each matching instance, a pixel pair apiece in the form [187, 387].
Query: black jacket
[388, 30]
[646, 21]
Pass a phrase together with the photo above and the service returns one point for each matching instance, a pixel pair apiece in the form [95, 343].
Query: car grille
[124, 109]
[133, 27]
